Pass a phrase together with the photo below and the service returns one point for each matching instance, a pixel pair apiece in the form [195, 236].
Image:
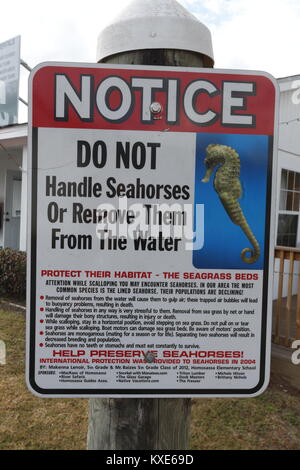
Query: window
[289, 205]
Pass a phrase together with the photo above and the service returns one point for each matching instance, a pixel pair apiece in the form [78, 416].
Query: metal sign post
[151, 231]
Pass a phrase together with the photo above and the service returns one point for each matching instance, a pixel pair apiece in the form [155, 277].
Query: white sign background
[212, 357]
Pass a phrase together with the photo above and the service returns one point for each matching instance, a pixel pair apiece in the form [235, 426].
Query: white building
[13, 186]
[13, 174]
[288, 202]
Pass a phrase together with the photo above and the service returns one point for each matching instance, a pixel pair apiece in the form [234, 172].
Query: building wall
[7, 163]
[288, 159]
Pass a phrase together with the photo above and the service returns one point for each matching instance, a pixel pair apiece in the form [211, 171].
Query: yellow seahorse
[228, 187]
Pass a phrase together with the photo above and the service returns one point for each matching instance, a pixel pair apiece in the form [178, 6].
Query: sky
[247, 34]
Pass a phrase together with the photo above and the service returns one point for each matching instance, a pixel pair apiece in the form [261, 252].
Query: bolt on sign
[151, 231]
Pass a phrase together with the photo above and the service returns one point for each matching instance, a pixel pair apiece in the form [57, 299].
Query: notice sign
[150, 234]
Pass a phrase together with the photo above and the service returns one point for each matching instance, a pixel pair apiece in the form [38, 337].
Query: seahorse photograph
[231, 183]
